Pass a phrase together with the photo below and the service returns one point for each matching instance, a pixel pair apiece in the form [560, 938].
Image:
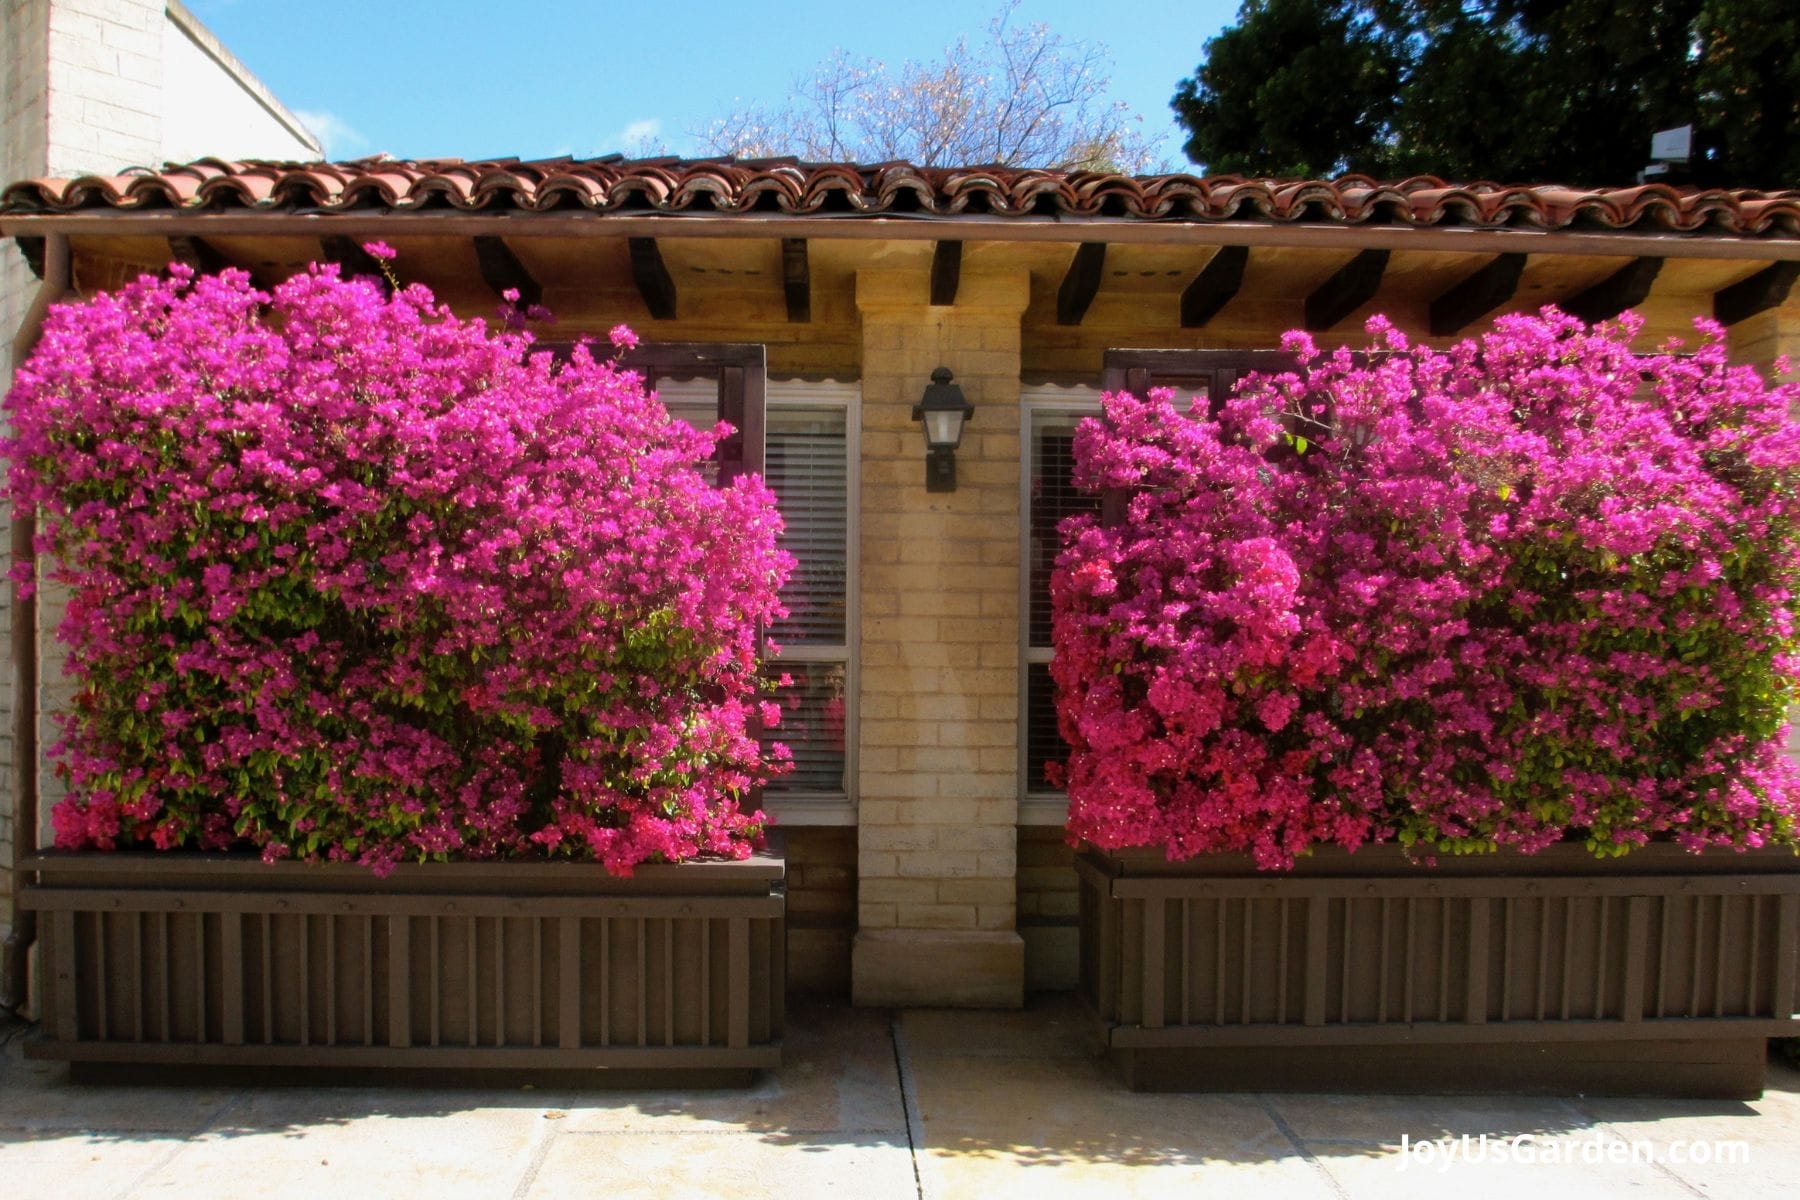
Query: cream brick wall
[939, 758]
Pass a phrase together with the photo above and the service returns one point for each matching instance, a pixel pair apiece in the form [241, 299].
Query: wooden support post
[197, 253]
[1214, 287]
[796, 279]
[1625, 288]
[1353, 286]
[654, 283]
[946, 272]
[502, 271]
[1477, 295]
[1081, 283]
[352, 260]
[1766, 289]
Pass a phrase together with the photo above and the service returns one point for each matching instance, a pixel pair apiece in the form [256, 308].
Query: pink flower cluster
[1533, 588]
[354, 579]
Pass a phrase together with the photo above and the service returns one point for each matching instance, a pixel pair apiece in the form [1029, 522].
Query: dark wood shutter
[741, 373]
[1190, 372]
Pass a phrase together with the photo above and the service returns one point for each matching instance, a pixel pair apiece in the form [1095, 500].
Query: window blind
[806, 469]
[1053, 497]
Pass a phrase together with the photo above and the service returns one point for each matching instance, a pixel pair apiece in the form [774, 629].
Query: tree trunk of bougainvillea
[1664, 974]
[222, 961]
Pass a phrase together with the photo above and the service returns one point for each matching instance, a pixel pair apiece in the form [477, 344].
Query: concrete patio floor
[870, 1104]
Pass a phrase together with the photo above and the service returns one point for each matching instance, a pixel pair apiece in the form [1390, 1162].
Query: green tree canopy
[1514, 90]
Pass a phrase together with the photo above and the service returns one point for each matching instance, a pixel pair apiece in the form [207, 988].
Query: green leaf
[1300, 444]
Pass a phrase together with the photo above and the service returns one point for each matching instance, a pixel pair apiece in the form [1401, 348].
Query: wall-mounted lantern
[942, 411]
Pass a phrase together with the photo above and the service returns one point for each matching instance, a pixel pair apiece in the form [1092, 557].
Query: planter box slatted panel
[1185, 961]
[243, 964]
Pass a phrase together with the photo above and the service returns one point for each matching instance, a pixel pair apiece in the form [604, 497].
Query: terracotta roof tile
[787, 186]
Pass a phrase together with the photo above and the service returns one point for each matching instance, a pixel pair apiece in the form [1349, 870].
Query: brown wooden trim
[1214, 287]
[1081, 283]
[946, 272]
[654, 283]
[502, 271]
[1392, 1033]
[1349, 288]
[286, 976]
[969, 227]
[1476, 295]
[1766, 289]
[1625, 288]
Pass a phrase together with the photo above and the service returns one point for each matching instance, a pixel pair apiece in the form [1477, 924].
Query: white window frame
[831, 808]
[1038, 806]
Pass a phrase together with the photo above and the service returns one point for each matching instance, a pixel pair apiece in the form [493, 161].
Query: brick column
[937, 855]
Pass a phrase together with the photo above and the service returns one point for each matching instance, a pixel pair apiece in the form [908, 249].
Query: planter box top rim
[766, 864]
[1388, 858]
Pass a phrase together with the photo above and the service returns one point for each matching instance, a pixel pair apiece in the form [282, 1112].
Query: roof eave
[1123, 230]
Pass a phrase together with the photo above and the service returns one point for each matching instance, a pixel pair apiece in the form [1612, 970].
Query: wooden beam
[197, 253]
[1623, 289]
[1766, 289]
[1477, 295]
[653, 281]
[1215, 285]
[502, 270]
[946, 272]
[796, 278]
[352, 259]
[32, 247]
[1353, 286]
[1081, 284]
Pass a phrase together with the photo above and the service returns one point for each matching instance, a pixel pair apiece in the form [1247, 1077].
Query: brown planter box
[673, 975]
[1663, 973]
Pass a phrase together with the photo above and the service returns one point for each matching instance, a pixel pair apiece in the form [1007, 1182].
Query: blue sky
[471, 79]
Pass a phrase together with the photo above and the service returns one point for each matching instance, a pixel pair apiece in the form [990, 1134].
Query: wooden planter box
[1660, 974]
[674, 975]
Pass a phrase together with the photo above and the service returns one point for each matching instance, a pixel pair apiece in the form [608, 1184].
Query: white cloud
[640, 131]
[340, 138]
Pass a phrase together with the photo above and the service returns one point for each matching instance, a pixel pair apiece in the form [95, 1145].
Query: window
[810, 454]
[1050, 417]
[802, 436]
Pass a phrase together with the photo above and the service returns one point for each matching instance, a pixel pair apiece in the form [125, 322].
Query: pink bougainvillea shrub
[1533, 588]
[353, 579]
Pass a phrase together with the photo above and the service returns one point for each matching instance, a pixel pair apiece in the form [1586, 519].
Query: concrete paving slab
[921, 1104]
[665, 1166]
[78, 1166]
[837, 1076]
[474, 1155]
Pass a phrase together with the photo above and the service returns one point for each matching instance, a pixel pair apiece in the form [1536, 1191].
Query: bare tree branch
[1023, 97]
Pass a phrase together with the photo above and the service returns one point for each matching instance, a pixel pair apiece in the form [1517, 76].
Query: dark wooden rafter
[654, 282]
[1081, 283]
[1477, 295]
[352, 259]
[946, 272]
[1215, 285]
[197, 253]
[502, 271]
[1766, 289]
[796, 279]
[1352, 286]
[1623, 289]
[32, 247]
